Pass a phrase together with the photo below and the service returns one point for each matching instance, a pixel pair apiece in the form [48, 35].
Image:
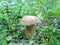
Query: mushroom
[30, 22]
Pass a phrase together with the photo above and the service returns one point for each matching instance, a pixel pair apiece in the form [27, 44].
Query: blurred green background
[48, 11]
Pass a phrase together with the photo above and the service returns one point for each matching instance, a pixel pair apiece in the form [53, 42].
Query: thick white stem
[30, 31]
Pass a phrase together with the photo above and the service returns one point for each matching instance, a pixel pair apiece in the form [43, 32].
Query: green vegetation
[48, 11]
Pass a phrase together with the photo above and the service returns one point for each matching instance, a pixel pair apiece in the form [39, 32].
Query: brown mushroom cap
[30, 20]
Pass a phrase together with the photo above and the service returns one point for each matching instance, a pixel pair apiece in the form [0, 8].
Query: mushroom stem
[30, 31]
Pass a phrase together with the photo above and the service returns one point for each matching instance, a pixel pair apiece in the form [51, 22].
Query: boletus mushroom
[30, 22]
